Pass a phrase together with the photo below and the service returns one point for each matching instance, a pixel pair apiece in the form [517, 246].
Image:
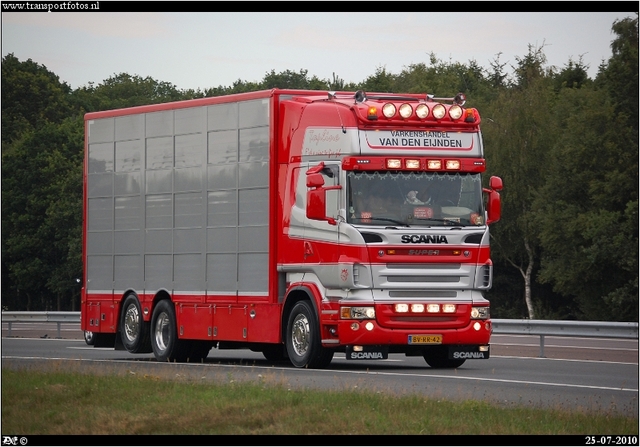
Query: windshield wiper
[384, 219]
[445, 221]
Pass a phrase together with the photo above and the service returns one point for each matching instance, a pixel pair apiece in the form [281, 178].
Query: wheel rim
[300, 335]
[161, 334]
[132, 323]
[88, 335]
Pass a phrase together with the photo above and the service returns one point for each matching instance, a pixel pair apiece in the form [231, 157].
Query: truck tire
[198, 350]
[89, 338]
[438, 357]
[134, 331]
[164, 336]
[275, 353]
[303, 338]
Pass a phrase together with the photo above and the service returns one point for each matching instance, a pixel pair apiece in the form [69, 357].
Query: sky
[201, 50]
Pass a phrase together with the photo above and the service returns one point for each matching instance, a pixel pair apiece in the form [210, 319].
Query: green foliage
[285, 80]
[31, 96]
[574, 75]
[620, 77]
[587, 212]
[42, 216]
[124, 90]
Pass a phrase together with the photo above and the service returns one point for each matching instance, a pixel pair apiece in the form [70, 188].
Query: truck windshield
[414, 199]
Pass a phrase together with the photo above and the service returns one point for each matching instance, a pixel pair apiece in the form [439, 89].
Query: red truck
[295, 223]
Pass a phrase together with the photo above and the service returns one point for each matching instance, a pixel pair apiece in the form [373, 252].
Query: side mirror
[494, 206]
[317, 197]
[314, 180]
[495, 183]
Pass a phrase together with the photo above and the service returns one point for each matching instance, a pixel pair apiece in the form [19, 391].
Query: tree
[381, 81]
[573, 75]
[497, 77]
[286, 79]
[31, 97]
[124, 90]
[518, 131]
[42, 216]
[531, 67]
[620, 77]
[589, 205]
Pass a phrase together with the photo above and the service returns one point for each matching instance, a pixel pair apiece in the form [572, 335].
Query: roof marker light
[470, 116]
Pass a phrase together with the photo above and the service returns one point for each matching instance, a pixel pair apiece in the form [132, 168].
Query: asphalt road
[582, 374]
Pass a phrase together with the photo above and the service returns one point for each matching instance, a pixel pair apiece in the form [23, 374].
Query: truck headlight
[357, 313]
[480, 313]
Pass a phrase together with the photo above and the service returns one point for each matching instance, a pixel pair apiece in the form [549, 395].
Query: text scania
[423, 239]
[366, 355]
[468, 355]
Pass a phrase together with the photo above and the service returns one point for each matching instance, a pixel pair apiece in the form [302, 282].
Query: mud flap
[372, 352]
[468, 352]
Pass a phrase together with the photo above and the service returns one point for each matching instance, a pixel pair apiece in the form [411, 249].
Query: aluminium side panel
[178, 199]
[238, 198]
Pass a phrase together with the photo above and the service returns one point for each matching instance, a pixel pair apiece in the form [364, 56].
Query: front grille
[423, 294]
[423, 278]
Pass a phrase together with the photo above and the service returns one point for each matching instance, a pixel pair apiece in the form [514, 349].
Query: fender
[309, 289]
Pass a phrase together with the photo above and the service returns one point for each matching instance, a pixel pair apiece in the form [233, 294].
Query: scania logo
[366, 355]
[423, 239]
[468, 355]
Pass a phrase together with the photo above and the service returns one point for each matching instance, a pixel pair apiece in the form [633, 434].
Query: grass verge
[72, 403]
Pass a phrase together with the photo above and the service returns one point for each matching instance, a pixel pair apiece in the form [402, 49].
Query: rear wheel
[89, 338]
[164, 336]
[134, 331]
[303, 338]
[198, 350]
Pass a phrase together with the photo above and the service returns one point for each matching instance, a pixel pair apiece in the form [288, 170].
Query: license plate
[425, 339]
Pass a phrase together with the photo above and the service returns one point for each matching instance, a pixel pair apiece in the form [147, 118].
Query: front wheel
[304, 347]
[438, 357]
[275, 353]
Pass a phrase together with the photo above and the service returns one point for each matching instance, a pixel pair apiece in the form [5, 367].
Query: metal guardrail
[563, 328]
[40, 317]
[542, 328]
